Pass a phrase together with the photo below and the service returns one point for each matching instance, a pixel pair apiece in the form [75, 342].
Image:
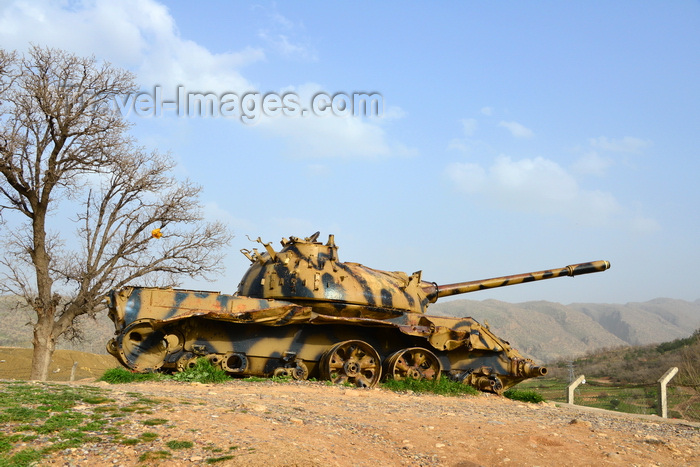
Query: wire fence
[683, 401]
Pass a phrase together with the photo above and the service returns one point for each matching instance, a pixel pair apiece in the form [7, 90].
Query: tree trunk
[44, 339]
[44, 345]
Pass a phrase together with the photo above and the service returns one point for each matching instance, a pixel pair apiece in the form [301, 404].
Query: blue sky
[514, 137]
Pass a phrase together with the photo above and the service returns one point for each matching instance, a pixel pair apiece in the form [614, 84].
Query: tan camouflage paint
[301, 312]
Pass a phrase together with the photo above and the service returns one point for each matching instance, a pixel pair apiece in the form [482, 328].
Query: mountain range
[544, 331]
[547, 331]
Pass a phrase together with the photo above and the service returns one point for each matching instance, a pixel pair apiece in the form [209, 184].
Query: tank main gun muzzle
[435, 291]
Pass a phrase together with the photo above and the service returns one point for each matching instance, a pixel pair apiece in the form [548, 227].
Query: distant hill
[541, 330]
[549, 331]
[16, 329]
[640, 364]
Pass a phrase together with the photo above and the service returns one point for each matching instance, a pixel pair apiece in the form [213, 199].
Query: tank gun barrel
[435, 291]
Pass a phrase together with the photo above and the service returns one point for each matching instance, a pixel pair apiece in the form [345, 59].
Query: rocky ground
[312, 424]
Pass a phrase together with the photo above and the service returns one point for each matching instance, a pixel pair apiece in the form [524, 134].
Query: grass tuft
[443, 386]
[524, 395]
[174, 444]
[154, 421]
[214, 460]
[202, 372]
[121, 375]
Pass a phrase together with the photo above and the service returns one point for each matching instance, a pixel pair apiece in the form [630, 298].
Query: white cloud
[283, 36]
[627, 144]
[142, 36]
[488, 111]
[139, 35]
[285, 47]
[458, 145]
[393, 113]
[592, 164]
[544, 187]
[516, 129]
[468, 177]
[331, 136]
[467, 144]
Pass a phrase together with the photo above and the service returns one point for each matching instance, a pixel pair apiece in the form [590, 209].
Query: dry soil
[312, 424]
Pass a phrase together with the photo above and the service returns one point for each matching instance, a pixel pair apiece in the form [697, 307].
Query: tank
[302, 313]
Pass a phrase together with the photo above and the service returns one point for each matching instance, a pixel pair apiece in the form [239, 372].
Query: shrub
[524, 395]
[202, 372]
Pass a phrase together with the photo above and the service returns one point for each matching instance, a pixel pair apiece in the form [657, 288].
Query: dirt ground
[312, 424]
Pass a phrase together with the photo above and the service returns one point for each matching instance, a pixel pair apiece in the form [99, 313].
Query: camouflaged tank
[300, 312]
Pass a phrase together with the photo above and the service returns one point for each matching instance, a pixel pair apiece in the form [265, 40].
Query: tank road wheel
[296, 370]
[415, 363]
[354, 362]
[141, 347]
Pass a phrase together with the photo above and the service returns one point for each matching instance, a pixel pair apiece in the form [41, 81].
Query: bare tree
[62, 144]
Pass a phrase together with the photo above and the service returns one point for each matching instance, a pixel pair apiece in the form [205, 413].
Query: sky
[507, 137]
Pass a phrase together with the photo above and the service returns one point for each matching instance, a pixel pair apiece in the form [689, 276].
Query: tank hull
[167, 330]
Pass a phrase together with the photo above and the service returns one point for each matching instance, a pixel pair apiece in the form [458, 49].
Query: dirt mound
[309, 423]
[16, 363]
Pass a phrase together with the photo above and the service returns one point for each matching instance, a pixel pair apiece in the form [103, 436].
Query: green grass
[31, 410]
[121, 375]
[201, 372]
[155, 422]
[214, 460]
[174, 444]
[38, 420]
[255, 379]
[524, 395]
[130, 441]
[443, 386]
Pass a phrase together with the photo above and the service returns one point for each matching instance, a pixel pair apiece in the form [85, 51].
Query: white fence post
[570, 396]
[72, 371]
[663, 381]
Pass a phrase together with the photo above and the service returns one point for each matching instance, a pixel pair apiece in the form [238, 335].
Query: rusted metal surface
[300, 312]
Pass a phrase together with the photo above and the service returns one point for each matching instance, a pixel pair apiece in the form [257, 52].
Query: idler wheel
[353, 362]
[235, 362]
[142, 347]
[413, 363]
